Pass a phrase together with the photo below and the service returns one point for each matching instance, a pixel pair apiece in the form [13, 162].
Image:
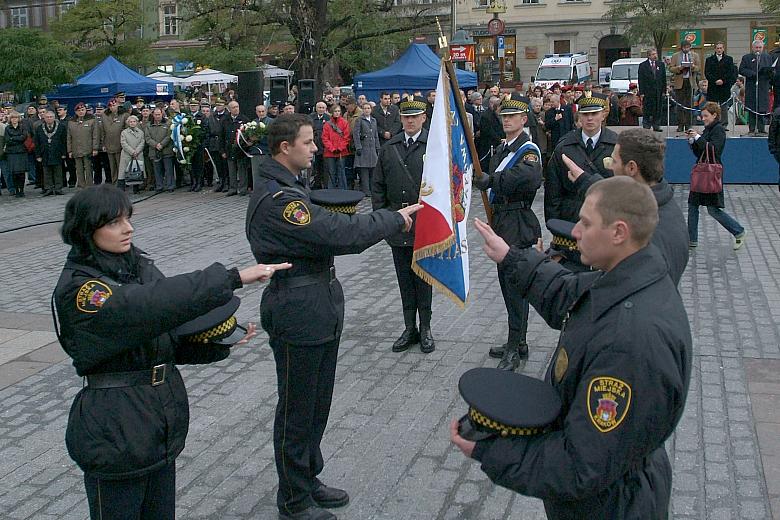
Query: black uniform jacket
[561, 200]
[622, 370]
[671, 234]
[214, 134]
[303, 305]
[514, 190]
[230, 127]
[396, 183]
[108, 327]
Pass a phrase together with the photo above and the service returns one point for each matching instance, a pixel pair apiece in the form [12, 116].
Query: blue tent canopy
[416, 69]
[106, 79]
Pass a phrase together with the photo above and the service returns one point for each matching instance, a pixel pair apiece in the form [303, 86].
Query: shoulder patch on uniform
[296, 212]
[561, 364]
[92, 296]
[609, 399]
[531, 156]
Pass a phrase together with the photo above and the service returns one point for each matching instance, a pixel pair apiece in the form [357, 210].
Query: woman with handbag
[123, 323]
[706, 186]
[335, 139]
[131, 160]
[15, 151]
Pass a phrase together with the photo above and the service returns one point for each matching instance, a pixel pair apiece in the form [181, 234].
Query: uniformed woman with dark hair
[117, 315]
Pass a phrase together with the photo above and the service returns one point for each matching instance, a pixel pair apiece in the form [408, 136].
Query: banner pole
[467, 130]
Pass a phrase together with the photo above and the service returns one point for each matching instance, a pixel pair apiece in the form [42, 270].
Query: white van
[564, 69]
[624, 72]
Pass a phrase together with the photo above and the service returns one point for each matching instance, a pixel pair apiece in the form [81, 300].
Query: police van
[624, 72]
[564, 69]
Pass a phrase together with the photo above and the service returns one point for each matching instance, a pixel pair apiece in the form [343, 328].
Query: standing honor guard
[396, 185]
[515, 176]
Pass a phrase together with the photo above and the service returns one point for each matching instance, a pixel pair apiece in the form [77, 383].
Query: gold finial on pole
[442, 38]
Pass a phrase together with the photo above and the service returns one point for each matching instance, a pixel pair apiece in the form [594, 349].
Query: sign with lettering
[462, 53]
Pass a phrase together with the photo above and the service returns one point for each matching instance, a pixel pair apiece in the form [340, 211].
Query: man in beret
[622, 367]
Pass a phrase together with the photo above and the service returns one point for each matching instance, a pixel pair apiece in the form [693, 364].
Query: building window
[561, 46]
[65, 7]
[19, 17]
[530, 1]
[482, 3]
[170, 26]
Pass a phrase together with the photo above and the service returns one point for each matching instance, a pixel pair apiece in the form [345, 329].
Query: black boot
[497, 352]
[427, 345]
[409, 337]
[511, 359]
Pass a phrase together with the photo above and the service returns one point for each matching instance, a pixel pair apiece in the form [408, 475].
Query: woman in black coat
[15, 152]
[714, 138]
[118, 316]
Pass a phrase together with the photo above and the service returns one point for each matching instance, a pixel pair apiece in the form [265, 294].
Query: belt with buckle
[153, 376]
[295, 282]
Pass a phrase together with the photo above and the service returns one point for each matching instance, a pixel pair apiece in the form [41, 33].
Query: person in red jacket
[336, 138]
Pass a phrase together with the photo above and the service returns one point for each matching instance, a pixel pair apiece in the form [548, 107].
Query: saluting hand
[261, 272]
[574, 170]
[407, 213]
[495, 247]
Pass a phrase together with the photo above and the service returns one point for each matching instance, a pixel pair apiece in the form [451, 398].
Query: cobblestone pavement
[387, 440]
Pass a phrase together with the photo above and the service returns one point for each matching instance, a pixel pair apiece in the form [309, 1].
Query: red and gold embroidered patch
[531, 156]
[297, 213]
[609, 399]
[92, 296]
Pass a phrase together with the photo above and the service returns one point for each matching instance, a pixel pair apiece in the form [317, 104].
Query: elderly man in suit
[652, 85]
[685, 66]
[721, 74]
[758, 69]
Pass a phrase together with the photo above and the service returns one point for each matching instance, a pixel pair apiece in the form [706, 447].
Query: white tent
[272, 71]
[209, 76]
[164, 76]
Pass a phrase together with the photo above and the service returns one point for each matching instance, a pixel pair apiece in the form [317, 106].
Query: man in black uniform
[303, 311]
[515, 176]
[213, 144]
[395, 185]
[640, 155]
[197, 166]
[586, 147]
[622, 367]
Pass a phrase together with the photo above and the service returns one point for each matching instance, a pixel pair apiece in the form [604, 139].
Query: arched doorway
[613, 47]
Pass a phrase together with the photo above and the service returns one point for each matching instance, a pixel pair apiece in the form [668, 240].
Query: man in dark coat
[491, 132]
[318, 118]
[302, 310]
[395, 185]
[237, 160]
[640, 155]
[721, 74]
[514, 177]
[214, 144]
[587, 147]
[652, 87]
[758, 71]
[558, 120]
[622, 367]
[51, 148]
[388, 118]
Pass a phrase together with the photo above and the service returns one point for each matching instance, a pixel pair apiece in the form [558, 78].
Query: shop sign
[692, 36]
[759, 33]
[462, 53]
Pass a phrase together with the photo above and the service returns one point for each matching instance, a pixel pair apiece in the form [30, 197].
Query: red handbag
[707, 175]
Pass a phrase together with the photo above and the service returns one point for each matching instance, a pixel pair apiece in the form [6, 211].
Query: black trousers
[756, 123]
[516, 310]
[684, 97]
[196, 168]
[101, 171]
[416, 294]
[222, 169]
[305, 376]
[151, 497]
